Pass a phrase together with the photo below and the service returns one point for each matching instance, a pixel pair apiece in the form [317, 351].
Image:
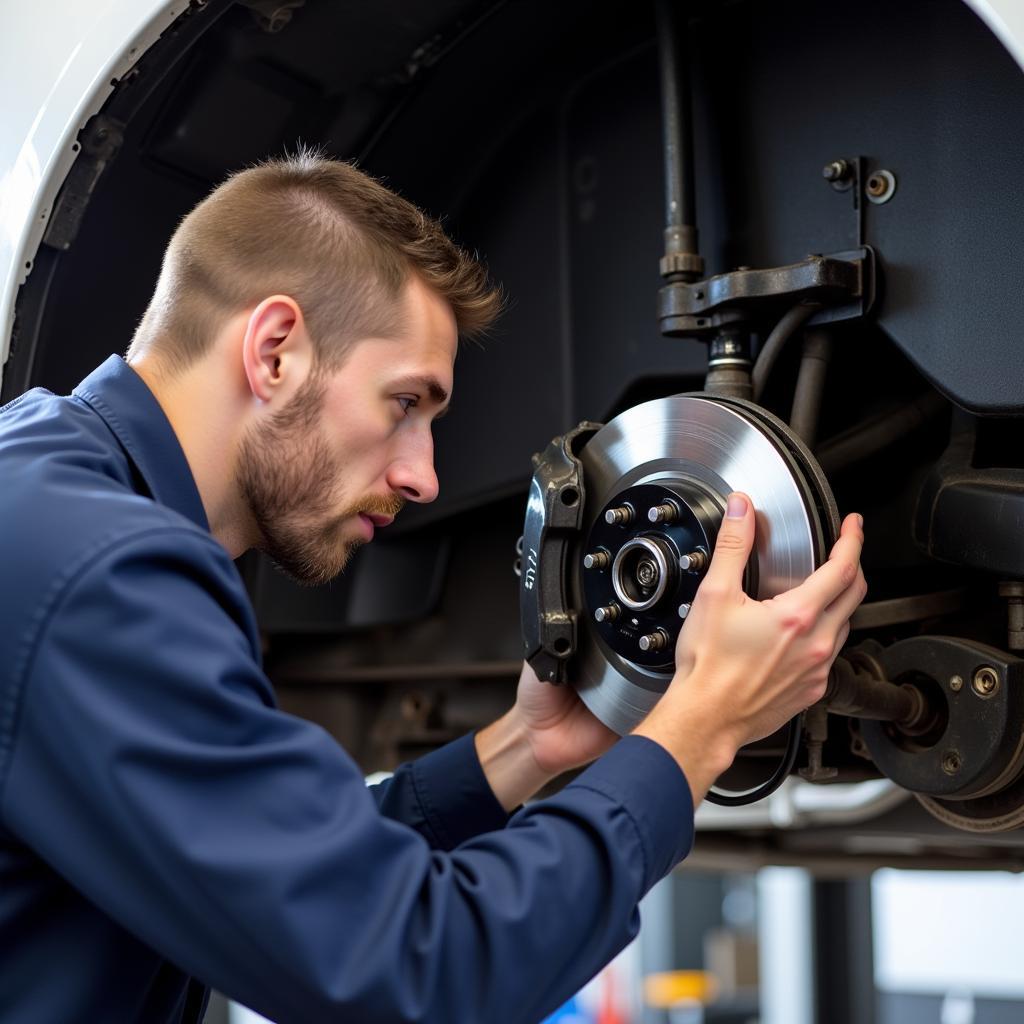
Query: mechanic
[163, 826]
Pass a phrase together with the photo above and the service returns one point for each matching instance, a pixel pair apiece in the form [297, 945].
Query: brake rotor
[656, 482]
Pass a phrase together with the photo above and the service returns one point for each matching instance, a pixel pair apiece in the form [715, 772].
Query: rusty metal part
[981, 723]
[842, 283]
[874, 614]
[856, 693]
[1013, 591]
[815, 733]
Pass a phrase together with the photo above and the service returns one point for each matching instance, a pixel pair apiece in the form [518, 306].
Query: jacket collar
[120, 397]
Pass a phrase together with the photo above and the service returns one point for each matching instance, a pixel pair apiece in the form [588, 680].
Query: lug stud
[695, 561]
[654, 641]
[684, 610]
[597, 560]
[621, 516]
[664, 513]
[607, 613]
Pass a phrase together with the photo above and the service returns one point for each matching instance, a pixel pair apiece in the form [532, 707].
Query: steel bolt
[665, 513]
[608, 613]
[956, 683]
[654, 641]
[684, 610]
[597, 560]
[951, 762]
[695, 561]
[985, 681]
[835, 171]
[621, 516]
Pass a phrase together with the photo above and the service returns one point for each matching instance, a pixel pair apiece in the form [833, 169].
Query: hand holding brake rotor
[745, 667]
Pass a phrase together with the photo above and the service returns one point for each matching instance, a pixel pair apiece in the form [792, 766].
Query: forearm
[507, 759]
[696, 736]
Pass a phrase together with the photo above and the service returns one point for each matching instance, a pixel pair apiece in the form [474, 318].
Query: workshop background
[877, 143]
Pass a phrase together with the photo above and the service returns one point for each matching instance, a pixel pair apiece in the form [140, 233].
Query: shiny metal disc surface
[686, 437]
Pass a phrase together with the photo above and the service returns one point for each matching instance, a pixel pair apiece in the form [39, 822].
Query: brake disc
[608, 581]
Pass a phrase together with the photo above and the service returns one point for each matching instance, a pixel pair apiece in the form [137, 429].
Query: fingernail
[860, 520]
[737, 507]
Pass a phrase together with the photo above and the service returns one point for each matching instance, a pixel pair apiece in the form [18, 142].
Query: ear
[277, 354]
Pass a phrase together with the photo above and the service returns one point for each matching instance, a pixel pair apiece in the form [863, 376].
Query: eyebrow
[431, 385]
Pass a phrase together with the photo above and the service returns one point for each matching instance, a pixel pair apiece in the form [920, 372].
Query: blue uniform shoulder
[70, 490]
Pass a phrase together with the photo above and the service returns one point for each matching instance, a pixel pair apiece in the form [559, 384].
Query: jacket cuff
[648, 783]
[454, 794]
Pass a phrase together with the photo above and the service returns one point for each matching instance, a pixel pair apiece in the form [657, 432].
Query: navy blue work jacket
[164, 827]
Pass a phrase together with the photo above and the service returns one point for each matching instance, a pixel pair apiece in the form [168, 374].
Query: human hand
[562, 732]
[546, 732]
[745, 667]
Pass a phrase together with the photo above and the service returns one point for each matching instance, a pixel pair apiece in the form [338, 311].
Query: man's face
[352, 446]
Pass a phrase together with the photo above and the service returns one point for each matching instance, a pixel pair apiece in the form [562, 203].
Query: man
[163, 827]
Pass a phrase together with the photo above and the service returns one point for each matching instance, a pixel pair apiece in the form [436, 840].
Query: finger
[836, 576]
[847, 603]
[732, 548]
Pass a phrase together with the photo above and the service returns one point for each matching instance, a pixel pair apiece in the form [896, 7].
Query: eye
[407, 402]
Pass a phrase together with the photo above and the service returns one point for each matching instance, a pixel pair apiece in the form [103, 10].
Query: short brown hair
[333, 238]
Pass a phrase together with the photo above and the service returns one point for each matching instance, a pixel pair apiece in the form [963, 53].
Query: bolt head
[684, 610]
[951, 762]
[834, 171]
[956, 683]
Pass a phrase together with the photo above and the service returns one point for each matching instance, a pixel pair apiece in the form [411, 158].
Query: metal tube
[681, 254]
[788, 325]
[859, 695]
[810, 386]
[871, 437]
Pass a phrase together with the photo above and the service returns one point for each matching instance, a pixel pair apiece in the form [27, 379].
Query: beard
[289, 479]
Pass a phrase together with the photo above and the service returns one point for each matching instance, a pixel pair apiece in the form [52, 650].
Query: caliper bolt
[695, 561]
[985, 681]
[621, 516]
[956, 683]
[607, 613]
[597, 560]
[684, 610]
[654, 641]
[665, 513]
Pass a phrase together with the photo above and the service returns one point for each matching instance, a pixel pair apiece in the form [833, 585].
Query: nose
[412, 474]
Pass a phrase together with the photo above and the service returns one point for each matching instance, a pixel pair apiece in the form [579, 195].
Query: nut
[985, 682]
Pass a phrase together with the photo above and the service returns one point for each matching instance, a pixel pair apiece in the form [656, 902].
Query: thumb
[732, 548]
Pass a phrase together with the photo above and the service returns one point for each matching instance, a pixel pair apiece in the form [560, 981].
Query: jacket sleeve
[444, 795]
[151, 769]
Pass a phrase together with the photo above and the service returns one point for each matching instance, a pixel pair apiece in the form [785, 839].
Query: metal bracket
[101, 139]
[843, 283]
[554, 514]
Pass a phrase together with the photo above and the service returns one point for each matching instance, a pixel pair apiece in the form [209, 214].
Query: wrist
[698, 736]
[507, 757]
